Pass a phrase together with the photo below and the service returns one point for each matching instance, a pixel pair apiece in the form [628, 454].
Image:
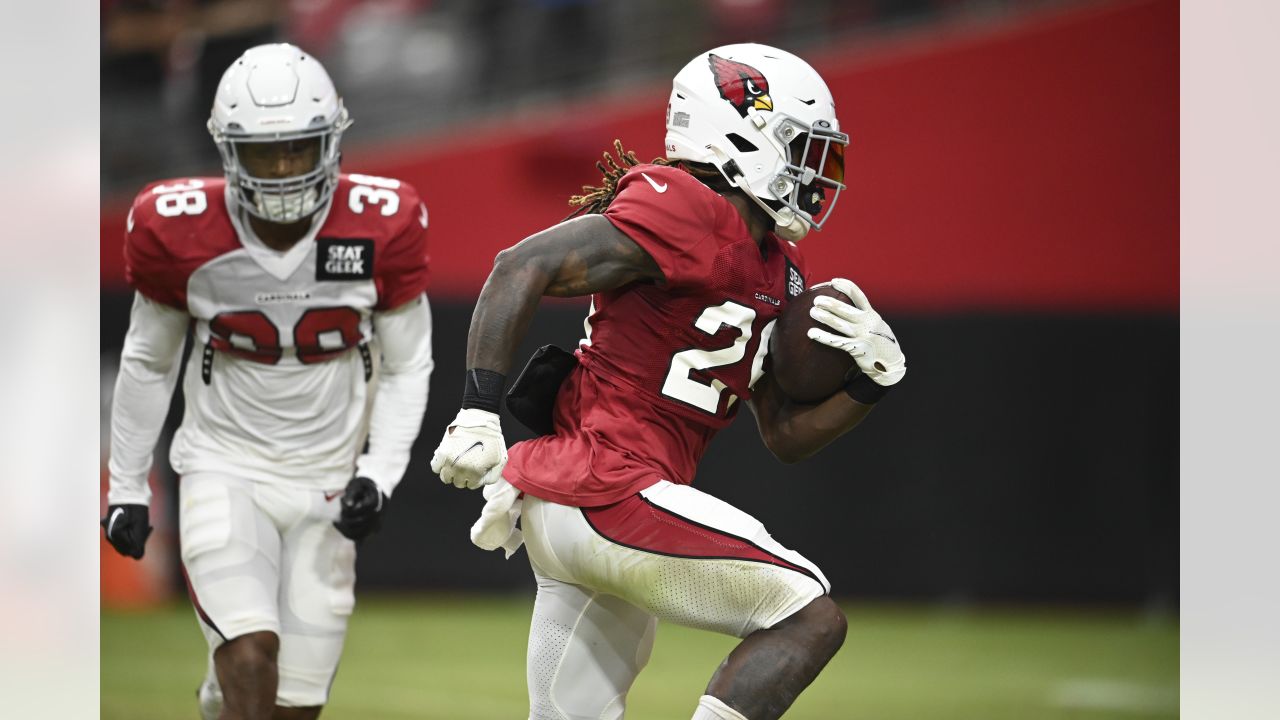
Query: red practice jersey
[663, 366]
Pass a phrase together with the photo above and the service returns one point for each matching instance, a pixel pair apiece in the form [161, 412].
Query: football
[805, 370]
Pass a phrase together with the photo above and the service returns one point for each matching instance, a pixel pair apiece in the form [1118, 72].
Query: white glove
[472, 452]
[859, 331]
[496, 527]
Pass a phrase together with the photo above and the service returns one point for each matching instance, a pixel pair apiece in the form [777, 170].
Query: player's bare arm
[794, 431]
[579, 257]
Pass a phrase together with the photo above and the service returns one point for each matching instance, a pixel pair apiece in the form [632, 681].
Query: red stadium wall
[1028, 165]
[1011, 186]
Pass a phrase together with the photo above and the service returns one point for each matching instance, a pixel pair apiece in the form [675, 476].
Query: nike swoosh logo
[474, 445]
[660, 188]
[332, 495]
[111, 524]
[890, 338]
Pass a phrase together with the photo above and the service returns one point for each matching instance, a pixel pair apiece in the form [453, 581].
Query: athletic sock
[711, 708]
[209, 697]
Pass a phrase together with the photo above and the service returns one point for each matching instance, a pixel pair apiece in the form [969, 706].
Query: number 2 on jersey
[680, 384]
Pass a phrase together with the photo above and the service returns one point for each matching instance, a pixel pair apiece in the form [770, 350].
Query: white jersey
[290, 348]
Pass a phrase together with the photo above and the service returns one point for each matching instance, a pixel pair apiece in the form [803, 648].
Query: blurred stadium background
[1003, 531]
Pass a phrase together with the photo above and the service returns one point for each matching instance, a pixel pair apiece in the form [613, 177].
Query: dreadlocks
[594, 200]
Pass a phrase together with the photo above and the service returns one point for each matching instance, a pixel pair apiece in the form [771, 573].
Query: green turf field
[463, 659]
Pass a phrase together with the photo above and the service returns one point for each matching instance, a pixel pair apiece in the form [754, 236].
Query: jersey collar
[280, 265]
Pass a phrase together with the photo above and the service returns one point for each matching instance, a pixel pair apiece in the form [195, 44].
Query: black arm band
[483, 389]
[865, 390]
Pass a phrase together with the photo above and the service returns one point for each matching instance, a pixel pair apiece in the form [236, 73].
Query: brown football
[806, 371]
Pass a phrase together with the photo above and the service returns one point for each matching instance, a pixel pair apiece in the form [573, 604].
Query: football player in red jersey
[305, 291]
[688, 262]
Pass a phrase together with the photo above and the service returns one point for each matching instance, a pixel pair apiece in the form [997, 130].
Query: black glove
[362, 503]
[127, 528]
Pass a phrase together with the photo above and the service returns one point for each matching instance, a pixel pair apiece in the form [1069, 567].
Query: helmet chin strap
[786, 223]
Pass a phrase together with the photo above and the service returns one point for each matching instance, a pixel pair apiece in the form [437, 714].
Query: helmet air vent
[741, 143]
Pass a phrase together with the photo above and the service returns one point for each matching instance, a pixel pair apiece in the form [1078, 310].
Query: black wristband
[483, 389]
[865, 390]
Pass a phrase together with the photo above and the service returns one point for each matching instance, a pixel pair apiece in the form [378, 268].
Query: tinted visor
[824, 157]
[831, 166]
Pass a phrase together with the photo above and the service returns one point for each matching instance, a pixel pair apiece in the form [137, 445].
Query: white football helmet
[766, 120]
[276, 93]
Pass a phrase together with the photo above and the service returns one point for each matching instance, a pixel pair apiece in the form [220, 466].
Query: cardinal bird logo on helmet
[740, 84]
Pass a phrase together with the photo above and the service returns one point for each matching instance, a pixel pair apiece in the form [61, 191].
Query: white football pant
[607, 575]
[265, 557]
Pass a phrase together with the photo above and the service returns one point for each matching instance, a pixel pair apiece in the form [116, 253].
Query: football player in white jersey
[305, 291]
